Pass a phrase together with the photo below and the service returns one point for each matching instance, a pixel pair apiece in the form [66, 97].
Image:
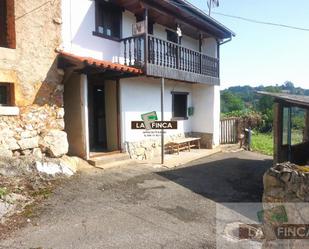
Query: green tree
[265, 106]
[231, 102]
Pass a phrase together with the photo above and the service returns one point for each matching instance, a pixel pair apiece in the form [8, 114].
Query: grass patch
[263, 143]
[3, 192]
[44, 193]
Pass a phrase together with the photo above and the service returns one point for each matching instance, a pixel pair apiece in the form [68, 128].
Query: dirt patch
[181, 213]
[22, 188]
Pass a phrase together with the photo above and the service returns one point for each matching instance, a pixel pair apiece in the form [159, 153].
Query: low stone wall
[286, 188]
[206, 139]
[286, 182]
[37, 130]
[148, 148]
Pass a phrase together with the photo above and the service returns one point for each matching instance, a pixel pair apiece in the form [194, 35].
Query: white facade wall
[142, 95]
[188, 42]
[78, 17]
[206, 118]
[210, 47]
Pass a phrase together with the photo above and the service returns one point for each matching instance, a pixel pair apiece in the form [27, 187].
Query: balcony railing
[146, 50]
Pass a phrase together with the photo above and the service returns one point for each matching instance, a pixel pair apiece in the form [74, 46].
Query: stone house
[31, 89]
[77, 73]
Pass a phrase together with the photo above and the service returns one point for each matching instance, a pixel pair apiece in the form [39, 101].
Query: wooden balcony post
[146, 53]
[177, 57]
[218, 56]
[200, 50]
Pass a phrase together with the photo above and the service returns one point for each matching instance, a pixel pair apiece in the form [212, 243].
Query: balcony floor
[176, 74]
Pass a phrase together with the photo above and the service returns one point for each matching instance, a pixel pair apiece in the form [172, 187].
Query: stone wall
[31, 67]
[38, 92]
[286, 186]
[286, 182]
[38, 130]
[149, 148]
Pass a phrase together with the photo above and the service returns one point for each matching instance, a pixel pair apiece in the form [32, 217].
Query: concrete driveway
[139, 206]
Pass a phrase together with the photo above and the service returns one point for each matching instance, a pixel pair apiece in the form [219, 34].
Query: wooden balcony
[161, 58]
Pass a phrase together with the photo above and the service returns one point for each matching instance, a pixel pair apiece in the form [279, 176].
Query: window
[173, 37]
[294, 122]
[7, 24]
[180, 105]
[108, 20]
[6, 94]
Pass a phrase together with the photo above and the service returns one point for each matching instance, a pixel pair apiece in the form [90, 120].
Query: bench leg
[199, 144]
[189, 146]
[178, 149]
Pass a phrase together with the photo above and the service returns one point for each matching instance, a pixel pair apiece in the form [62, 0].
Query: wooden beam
[278, 132]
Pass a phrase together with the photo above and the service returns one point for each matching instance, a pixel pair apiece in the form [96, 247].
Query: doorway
[103, 115]
[99, 142]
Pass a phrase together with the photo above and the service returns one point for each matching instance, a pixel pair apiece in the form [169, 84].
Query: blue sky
[261, 54]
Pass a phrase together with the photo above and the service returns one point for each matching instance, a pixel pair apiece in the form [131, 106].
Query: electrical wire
[240, 17]
[262, 22]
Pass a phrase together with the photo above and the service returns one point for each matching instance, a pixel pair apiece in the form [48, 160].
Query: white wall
[78, 17]
[210, 47]
[142, 95]
[206, 102]
[188, 42]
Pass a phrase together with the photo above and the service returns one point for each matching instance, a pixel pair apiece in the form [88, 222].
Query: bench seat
[183, 144]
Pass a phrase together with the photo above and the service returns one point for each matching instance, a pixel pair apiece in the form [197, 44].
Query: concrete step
[107, 161]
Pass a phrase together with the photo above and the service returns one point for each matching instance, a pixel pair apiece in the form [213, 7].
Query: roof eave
[228, 32]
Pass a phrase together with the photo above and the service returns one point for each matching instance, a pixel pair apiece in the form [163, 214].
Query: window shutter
[10, 24]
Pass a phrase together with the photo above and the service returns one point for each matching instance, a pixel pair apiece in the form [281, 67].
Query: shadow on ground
[226, 180]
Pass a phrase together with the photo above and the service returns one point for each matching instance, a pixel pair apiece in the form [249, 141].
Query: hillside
[243, 100]
[239, 98]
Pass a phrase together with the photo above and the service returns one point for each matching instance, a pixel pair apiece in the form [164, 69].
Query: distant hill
[243, 100]
[246, 97]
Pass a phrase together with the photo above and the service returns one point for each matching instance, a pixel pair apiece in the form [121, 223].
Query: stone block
[29, 143]
[54, 143]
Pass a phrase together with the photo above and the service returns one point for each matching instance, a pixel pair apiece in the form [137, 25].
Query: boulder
[54, 143]
[51, 168]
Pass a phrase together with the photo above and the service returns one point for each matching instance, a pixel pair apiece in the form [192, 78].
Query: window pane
[3, 95]
[2, 23]
[172, 36]
[298, 125]
[285, 126]
[298, 118]
[109, 20]
[180, 105]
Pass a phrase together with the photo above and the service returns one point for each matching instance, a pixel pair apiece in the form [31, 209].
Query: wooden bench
[183, 144]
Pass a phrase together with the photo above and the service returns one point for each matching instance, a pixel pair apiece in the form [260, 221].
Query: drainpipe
[162, 119]
[226, 41]
[218, 51]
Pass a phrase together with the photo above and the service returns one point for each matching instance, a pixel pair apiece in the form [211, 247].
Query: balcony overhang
[194, 22]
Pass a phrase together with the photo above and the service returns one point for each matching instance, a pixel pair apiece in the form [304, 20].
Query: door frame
[86, 116]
